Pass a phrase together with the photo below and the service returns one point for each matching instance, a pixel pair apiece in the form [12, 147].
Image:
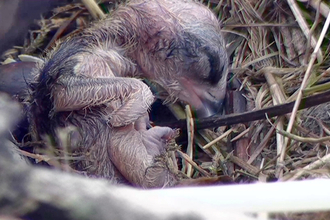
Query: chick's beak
[209, 108]
[206, 100]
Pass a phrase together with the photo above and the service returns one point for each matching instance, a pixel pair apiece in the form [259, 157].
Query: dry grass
[279, 54]
[275, 63]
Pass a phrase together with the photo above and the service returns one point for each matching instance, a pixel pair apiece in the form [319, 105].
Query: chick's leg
[134, 153]
[123, 100]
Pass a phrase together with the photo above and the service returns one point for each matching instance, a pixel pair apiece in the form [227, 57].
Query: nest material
[270, 50]
[269, 54]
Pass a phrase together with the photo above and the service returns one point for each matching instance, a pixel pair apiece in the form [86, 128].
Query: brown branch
[278, 110]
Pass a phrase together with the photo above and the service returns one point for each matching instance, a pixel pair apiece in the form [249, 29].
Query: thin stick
[190, 161]
[298, 138]
[300, 93]
[303, 25]
[218, 139]
[322, 161]
[324, 8]
[94, 9]
[278, 97]
[190, 128]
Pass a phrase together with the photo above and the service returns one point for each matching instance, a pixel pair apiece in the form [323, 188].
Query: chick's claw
[155, 139]
[135, 154]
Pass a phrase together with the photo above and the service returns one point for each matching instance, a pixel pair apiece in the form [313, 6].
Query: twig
[190, 128]
[248, 167]
[217, 121]
[324, 160]
[187, 158]
[262, 145]
[300, 139]
[218, 138]
[61, 29]
[310, 34]
[303, 26]
[278, 97]
[300, 92]
[94, 9]
[241, 134]
[324, 8]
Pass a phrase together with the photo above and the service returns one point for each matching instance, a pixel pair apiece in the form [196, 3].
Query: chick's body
[87, 82]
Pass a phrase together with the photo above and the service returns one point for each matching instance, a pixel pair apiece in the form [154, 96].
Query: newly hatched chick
[86, 82]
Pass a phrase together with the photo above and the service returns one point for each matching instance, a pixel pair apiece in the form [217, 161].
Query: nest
[278, 54]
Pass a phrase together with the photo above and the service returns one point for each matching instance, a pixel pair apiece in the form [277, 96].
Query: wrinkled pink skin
[84, 83]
